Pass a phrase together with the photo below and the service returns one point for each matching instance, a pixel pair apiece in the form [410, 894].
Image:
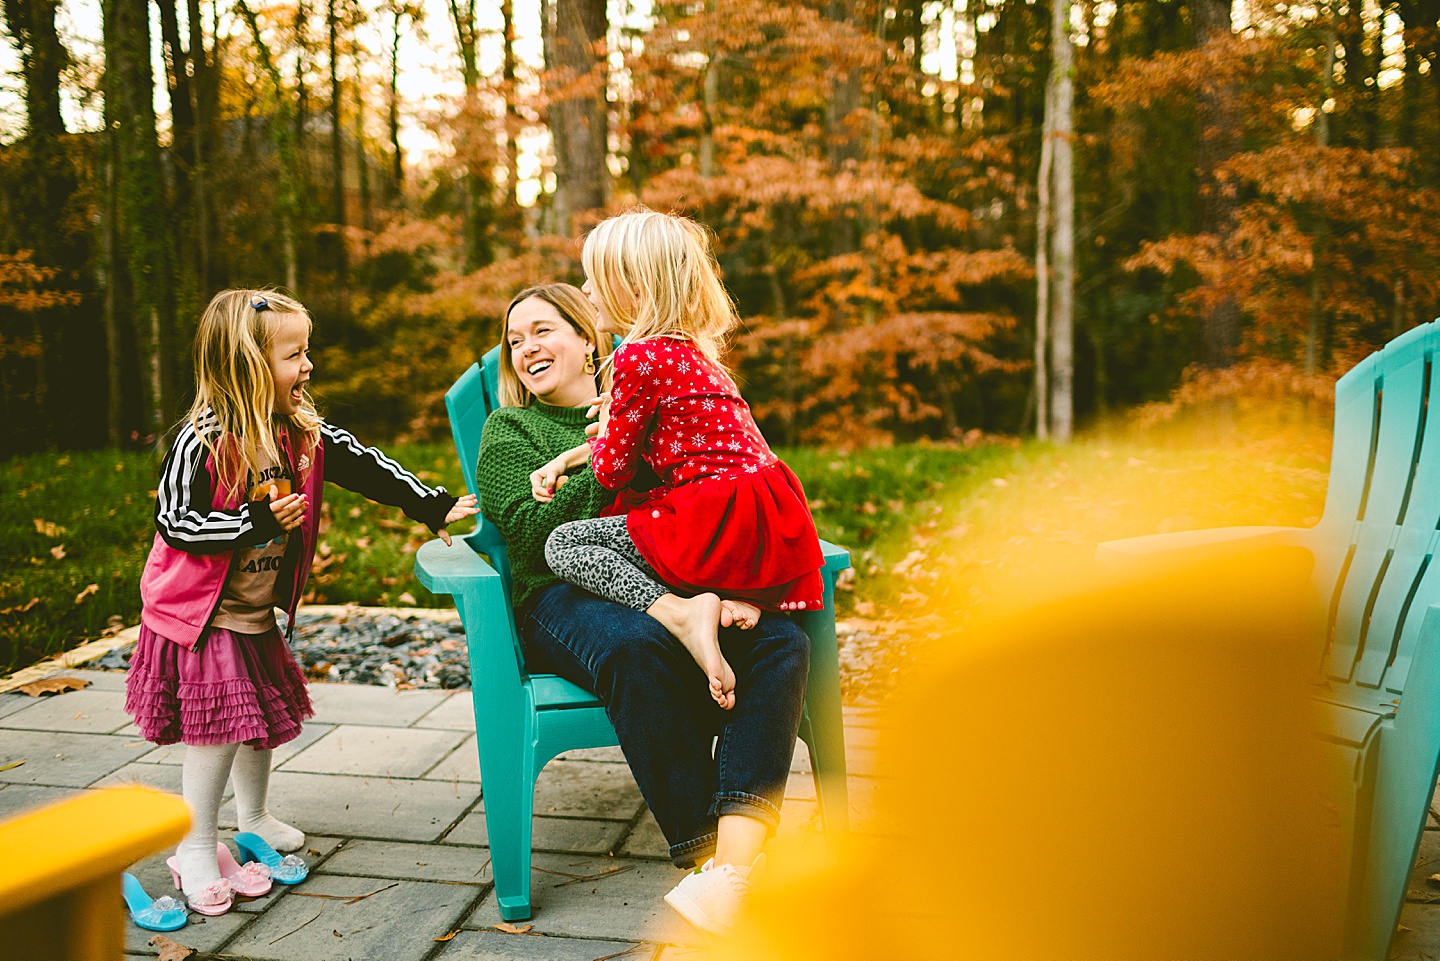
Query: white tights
[203, 775]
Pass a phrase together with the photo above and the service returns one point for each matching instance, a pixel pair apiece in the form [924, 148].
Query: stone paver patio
[387, 787]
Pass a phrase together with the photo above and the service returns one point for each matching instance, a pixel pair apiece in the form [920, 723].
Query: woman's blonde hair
[576, 310]
[235, 389]
[656, 276]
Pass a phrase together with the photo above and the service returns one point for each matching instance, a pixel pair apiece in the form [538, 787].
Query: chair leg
[509, 803]
[823, 724]
[507, 778]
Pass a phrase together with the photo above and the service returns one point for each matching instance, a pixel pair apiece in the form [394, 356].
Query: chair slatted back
[1378, 535]
[469, 402]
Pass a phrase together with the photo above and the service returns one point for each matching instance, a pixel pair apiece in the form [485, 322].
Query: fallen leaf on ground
[21, 608]
[12, 765]
[407, 598]
[447, 937]
[58, 552]
[1433, 877]
[54, 685]
[47, 528]
[89, 589]
[170, 950]
[509, 928]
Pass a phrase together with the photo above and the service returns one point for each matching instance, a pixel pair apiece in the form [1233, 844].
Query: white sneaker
[711, 897]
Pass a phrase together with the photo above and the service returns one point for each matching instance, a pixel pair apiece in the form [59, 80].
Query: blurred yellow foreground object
[1131, 770]
[60, 871]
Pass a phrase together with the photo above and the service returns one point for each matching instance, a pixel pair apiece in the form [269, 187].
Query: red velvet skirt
[744, 536]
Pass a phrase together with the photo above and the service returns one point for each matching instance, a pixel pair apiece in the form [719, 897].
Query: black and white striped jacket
[199, 525]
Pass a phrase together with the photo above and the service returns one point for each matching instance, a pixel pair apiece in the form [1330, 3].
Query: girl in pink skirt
[237, 516]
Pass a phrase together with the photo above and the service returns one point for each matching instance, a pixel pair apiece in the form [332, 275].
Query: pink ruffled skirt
[239, 688]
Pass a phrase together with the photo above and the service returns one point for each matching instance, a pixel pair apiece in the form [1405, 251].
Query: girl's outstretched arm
[370, 473]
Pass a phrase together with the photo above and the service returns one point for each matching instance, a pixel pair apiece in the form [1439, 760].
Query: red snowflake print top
[681, 412]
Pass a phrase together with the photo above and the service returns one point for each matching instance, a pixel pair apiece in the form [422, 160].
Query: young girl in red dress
[727, 532]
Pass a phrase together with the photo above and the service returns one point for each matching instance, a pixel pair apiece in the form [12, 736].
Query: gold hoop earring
[589, 362]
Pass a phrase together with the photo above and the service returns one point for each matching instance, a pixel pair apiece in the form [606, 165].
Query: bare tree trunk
[710, 97]
[337, 161]
[109, 279]
[578, 125]
[512, 116]
[1062, 331]
[301, 113]
[282, 133]
[397, 156]
[479, 185]
[1218, 138]
[204, 91]
[143, 208]
[1042, 264]
[45, 183]
[1313, 332]
[841, 143]
[362, 165]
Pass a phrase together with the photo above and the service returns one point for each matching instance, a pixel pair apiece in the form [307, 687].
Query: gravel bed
[360, 646]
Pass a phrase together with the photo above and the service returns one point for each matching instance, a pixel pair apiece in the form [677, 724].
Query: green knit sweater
[518, 441]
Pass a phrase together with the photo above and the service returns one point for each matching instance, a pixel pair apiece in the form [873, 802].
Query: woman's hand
[547, 480]
[464, 507]
[289, 510]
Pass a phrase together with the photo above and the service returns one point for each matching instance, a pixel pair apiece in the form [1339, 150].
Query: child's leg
[252, 789]
[202, 777]
[598, 555]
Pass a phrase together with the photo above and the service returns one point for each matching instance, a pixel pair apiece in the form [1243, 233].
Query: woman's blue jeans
[658, 699]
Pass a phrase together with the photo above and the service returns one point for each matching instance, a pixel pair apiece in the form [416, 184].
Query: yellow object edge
[74, 842]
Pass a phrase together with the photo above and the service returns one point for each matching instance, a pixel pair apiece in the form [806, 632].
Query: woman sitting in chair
[721, 806]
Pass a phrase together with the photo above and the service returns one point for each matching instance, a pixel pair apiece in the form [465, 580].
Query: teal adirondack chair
[524, 720]
[1379, 665]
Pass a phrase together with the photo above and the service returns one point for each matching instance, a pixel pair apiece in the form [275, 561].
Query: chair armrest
[82, 839]
[837, 558]
[1201, 545]
[450, 570]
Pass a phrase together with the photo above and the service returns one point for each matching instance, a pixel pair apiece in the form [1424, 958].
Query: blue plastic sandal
[158, 914]
[290, 869]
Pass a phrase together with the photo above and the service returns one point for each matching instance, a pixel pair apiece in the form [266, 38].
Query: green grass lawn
[935, 531]
[75, 529]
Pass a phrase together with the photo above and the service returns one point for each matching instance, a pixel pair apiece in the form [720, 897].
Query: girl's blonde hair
[234, 410]
[656, 276]
[577, 311]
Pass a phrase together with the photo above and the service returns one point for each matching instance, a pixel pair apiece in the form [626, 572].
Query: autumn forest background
[1227, 194]
[1246, 184]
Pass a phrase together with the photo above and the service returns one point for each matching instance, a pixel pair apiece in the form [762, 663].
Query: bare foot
[695, 623]
[741, 614]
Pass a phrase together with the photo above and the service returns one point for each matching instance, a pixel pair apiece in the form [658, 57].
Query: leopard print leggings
[598, 555]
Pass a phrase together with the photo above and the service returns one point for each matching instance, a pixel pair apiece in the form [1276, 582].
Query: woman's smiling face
[548, 354]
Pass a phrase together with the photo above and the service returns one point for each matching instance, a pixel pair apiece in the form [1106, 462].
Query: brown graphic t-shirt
[248, 604]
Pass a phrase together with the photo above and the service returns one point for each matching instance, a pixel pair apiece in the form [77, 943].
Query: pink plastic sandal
[250, 881]
[214, 900]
